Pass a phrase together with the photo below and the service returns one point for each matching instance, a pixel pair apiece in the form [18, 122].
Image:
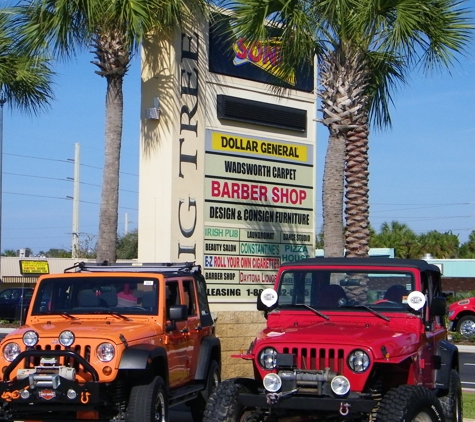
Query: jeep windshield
[97, 295]
[345, 290]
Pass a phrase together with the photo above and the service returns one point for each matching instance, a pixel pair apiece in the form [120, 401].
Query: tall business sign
[227, 170]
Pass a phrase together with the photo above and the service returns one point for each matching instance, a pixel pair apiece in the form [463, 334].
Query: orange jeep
[121, 342]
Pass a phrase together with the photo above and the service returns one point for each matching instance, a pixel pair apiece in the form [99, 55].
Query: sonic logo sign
[264, 55]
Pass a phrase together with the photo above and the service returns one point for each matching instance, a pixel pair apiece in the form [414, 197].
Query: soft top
[420, 264]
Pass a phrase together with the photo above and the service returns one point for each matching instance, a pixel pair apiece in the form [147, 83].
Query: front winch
[47, 375]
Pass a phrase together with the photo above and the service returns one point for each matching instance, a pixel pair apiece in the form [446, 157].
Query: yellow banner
[32, 267]
[242, 145]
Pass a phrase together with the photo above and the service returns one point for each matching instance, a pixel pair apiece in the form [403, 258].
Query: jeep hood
[396, 339]
[93, 329]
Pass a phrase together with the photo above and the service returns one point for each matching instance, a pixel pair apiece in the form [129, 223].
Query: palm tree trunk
[332, 197]
[108, 217]
[357, 191]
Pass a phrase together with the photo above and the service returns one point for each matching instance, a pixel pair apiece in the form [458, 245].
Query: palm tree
[114, 30]
[25, 80]
[364, 49]
[467, 250]
[440, 245]
[400, 237]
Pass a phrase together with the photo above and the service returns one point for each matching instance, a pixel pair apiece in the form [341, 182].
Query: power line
[69, 161]
[65, 198]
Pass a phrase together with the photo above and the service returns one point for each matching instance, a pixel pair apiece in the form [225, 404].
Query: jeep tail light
[105, 352]
[11, 351]
[267, 358]
[30, 338]
[358, 361]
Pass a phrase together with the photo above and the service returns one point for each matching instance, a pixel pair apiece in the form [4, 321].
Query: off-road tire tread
[142, 399]
[398, 404]
[198, 405]
[223, 405]
[448, 402]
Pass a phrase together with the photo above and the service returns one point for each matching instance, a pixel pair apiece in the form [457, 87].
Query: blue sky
[421, 170]
[36, 211]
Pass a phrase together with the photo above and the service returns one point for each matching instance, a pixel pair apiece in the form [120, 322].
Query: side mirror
[176, 313]
[438, 307]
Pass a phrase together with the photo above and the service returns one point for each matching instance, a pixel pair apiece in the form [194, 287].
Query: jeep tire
[198, 405]
[410, 403]
[224, 405]
[148, 403]
[466, 326]
[452, 402]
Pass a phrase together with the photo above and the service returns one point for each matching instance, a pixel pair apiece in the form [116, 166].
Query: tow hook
[344, 409]
[274, 398]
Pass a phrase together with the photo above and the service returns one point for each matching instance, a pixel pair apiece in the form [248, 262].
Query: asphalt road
[467, 370]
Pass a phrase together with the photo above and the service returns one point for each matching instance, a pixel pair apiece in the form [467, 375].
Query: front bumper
[46, 385]
[308, 403]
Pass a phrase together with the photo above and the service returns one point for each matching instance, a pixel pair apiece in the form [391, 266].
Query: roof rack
[159, 267]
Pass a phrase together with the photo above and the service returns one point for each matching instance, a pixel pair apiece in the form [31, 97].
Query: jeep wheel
[452, 402]
[466, 326]
[148, 403]
[198, 405]
[410, 403]
[224, 406]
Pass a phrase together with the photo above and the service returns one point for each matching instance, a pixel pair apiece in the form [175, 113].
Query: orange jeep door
[195, 329]
[177, 340]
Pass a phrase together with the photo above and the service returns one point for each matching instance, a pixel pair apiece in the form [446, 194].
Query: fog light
[24, 394]
[71, 394]
[340, 385]
[272, 383]
[30, 338]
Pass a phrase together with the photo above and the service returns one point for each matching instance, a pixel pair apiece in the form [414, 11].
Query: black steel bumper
[309, 403]
[17, 393]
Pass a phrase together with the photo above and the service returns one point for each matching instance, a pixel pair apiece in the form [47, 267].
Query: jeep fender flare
[140, 356]
[210, 349]
[448, 357]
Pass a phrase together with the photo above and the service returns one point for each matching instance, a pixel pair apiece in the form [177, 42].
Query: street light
[3, 100]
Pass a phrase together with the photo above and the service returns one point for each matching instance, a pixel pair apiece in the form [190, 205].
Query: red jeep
[462, 317]
[348, 339]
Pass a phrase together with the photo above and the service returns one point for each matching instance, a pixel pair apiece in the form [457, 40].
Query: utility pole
[75, 240]
[3, 100]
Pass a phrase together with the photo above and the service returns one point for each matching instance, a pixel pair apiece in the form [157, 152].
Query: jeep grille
[318, 358]
[85, 352]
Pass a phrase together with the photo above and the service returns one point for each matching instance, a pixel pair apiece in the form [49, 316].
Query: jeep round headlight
[272, 382]
[105, 352]
[66, 338]
[11, 351]
[340, 385]
[30, 338]
[358, 361]
[267, 358]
